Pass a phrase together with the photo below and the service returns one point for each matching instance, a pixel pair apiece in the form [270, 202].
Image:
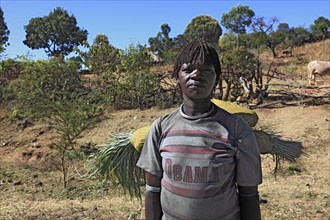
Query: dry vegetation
[31, 186]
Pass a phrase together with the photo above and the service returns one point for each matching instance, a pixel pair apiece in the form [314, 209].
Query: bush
[237, 62]
[132, 85]
[44, 82]
[52, 90]
[10, 70]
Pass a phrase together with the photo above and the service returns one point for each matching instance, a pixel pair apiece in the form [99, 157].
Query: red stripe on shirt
[191, 150]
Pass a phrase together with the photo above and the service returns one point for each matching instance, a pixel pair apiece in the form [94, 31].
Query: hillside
[30, 183]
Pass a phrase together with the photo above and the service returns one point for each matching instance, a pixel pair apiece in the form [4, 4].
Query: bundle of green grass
[116, 160]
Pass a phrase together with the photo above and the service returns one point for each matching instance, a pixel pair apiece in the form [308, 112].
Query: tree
[300, 35]
[179, 41]
[162, 42]
[282, 37]
[203, 27]
[283, 27]
[132, 85]
[264, 33]
[103, 56]
[237, 19]
[282, 33]
[227, 42]
[52, 90]
[56, 33]
[320, 28]
[236, 62]
[4, 32]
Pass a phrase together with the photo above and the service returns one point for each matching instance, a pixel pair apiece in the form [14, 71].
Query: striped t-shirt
[200, 160]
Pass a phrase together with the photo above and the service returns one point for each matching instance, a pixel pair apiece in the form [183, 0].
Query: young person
[201, 162]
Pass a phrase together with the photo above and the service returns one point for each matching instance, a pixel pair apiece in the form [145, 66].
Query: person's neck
[196, 107]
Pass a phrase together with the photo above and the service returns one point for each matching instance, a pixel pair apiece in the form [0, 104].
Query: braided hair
[197, 52]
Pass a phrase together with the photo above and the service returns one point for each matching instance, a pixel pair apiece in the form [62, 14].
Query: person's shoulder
[169, 116]
[163, 121]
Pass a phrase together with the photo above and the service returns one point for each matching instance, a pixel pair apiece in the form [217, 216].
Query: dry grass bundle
[116, 161]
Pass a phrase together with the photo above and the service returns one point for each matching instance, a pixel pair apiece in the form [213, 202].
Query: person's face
[197, 81]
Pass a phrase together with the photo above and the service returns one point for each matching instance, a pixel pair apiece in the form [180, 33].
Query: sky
[132, 22]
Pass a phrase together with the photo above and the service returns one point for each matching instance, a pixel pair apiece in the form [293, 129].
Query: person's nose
[196, 74]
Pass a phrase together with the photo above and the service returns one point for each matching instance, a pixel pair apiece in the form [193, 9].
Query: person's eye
[189, 69]
[207, 71]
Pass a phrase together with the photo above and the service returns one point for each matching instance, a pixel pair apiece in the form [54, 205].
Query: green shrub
[132, 84]
[52, 90]
[10, 70]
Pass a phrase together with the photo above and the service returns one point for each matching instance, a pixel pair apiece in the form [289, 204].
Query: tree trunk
[226, 96]
[271, 46]
[274, 52]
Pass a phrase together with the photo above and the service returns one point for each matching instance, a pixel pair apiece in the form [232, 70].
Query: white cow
[317, 67]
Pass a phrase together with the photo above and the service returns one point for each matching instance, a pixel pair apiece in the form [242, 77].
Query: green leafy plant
[69, 118]
[132, 85]
[52, 90]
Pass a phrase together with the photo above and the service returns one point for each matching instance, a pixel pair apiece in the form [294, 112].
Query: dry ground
[31, 187]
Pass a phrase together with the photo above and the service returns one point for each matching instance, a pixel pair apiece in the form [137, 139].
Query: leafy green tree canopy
[300, 35]
[162, 42]
[56, 33]
[103, 56]
[227, 42]
[264, 32]
[4, 32]
[283, 27]
[237, 19]
[203, 27]
[321, 27]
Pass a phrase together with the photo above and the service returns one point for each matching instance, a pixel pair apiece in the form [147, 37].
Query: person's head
[197, 52]
[197, 69]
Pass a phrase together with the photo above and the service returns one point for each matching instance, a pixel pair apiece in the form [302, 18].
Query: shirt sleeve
[150, 159]
[248, 170]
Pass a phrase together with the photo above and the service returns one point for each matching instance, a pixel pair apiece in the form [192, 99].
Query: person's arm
[153, 210]
[249, 202]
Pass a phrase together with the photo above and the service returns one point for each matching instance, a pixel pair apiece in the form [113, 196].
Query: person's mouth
[194, 84]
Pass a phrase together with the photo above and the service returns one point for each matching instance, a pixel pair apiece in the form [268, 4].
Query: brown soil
[30, 182]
